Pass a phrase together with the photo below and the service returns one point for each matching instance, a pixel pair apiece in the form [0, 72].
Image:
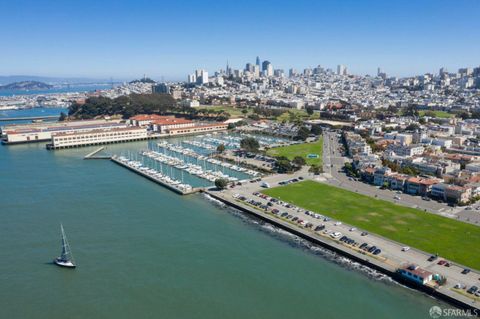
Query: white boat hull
[62, 263]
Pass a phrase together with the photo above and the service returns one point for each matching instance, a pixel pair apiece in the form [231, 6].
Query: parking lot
[370, 245]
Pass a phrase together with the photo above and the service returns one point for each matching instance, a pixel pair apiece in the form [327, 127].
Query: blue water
[63, 89]
[39, 111]
[145, 252]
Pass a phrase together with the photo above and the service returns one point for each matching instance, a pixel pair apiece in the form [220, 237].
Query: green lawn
[295, 114]
[300, 150]
[233, 111]
[454, 240]
[439, 114]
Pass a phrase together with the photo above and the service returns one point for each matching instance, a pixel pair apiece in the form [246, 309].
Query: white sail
[66, 257]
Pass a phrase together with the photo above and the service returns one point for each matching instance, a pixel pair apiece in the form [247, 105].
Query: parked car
[405, 248]
[364, 233]
[432, 258]
[372, 249]
[465, 271]
[472, 289]
[336, 234]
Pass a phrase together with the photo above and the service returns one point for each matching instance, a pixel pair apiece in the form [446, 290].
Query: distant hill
[5, 79]
[143, 80]
[26, 85]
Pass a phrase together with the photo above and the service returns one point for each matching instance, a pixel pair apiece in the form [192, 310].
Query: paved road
[332, 156]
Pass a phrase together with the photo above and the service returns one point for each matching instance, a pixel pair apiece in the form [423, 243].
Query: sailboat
[66, 258]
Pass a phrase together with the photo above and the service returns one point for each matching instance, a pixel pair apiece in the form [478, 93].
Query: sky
[169, 39]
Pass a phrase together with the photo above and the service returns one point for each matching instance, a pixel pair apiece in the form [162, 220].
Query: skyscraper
[258, 61]
[249, 67]
[341, 69]
[201, 76]
[265, 65]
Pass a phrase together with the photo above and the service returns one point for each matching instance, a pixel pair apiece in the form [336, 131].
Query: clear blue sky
[125, 39]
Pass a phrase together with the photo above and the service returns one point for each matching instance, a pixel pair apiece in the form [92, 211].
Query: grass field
[233, 111]
[294, 114]
[300, 150]
[449, 238]
[439, 114]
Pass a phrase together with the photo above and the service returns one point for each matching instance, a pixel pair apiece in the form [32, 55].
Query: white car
[353, 229]
[336, 234]
[338, 223]
[397, 197]
[406, 248]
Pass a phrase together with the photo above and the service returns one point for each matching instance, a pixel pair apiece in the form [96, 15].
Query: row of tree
[126, 106]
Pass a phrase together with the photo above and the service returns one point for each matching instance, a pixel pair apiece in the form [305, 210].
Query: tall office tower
[201, 76]
[256, 70]
[228, 70]
[258, 61]
[318, 69]
[341, 69]
[476, 72]
[442, 71]
[269, 70]
[249, 67]
[265, 65]
[204, 77]
[307, 72]
[379, 71]
[279, 73]
[292, 73]
[192, 78]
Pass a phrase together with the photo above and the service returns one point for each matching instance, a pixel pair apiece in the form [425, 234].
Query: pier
[32, 118]
[93, 155]
[156, 179]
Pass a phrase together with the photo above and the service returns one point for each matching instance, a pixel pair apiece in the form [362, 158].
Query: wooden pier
[156, 180]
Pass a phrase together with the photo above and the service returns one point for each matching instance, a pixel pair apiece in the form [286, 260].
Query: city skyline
[126, 40]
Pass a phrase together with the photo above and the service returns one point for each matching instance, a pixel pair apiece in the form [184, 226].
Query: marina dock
[175, 188]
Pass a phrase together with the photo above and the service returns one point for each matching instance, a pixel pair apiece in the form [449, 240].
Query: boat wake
[303, 244]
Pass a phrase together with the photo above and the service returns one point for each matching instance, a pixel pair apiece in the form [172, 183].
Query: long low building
[96, 137]
[28, 133]
[206, 128]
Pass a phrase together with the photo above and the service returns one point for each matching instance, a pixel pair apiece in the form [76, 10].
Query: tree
[303, 133]
[221, 183]
[284, 165]
[62, 117]
[244, 112]
[316, 129]
[412, 127]
[221, 148]
[309, 110]
[410, 110]
[250, 144]
[299, 161]
[316, 169]
[430, 114]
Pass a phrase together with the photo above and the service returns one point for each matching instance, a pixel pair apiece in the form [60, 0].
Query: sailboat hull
[63, 263]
